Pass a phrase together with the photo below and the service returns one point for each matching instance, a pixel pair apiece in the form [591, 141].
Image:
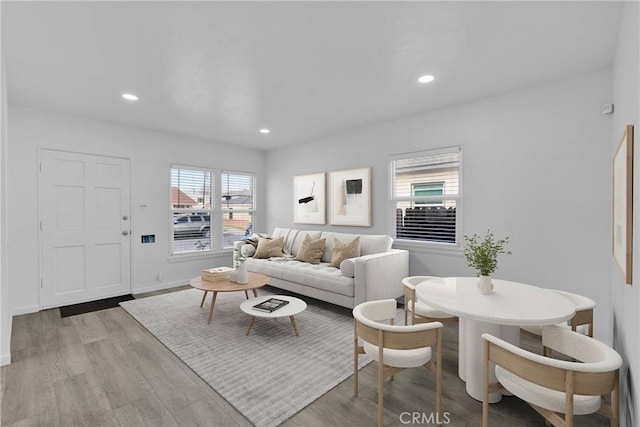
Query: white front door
[85, 227]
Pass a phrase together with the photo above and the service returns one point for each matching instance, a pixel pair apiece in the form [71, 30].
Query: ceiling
[305, 70]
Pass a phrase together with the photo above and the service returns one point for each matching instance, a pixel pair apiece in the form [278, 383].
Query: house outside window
[428, 189]
[426, 195]
[210, 209]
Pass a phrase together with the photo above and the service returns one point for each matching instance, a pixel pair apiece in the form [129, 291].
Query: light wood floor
[104, 369]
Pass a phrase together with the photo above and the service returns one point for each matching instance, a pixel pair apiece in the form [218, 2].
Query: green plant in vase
[482, 255]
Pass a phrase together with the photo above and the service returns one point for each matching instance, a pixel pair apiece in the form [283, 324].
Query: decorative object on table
[270, 305]
[309, 205]
[217, 273]
[483, 256]
[623, 204]
[350, 202]
[242, 275]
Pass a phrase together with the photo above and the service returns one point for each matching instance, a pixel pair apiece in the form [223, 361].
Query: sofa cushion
[268, 248]
[293, 238]
[320, 276]
[311, 250]
[342, 251]
[369, 243]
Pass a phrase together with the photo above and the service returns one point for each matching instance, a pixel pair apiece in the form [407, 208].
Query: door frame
[39, 159]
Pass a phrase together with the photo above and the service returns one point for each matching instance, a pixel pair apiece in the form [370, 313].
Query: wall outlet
[607, 109]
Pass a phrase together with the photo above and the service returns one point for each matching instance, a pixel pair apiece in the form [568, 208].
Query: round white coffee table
[295, 306]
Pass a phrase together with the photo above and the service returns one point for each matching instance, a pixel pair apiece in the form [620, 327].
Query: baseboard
[158, 287]
[5, 359]
[25, 310]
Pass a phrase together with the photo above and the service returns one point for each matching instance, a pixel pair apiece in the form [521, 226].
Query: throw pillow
[268, 248]
[311, 250]
[342, 251]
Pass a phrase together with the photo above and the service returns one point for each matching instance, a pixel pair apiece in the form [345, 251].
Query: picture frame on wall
[309, 199]
[350, 197]
[622, 227]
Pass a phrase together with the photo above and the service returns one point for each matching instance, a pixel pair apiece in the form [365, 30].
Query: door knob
[125, 217]
[125, 233]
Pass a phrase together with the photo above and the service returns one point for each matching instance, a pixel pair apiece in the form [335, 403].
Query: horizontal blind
[237, 191]
[238, 205]
[427, 215]
[191, 210]
[190, 189]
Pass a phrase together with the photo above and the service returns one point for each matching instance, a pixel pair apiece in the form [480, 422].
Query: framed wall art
[622, 227]
[350, 197]
[309, 201]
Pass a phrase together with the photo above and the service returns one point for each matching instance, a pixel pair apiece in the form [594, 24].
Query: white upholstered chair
[554, 387]
[395, 347]
[581, 322]
[420, 312]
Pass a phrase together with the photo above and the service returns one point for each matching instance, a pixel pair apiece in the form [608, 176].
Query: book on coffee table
[270, 305]
[215, 274]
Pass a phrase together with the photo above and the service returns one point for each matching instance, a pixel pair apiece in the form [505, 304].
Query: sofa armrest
[379, 276]
[238, 249]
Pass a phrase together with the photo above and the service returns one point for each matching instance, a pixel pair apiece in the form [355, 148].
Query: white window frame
[458, 198]
[216, 212]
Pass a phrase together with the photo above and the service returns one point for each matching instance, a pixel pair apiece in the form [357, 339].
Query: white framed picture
[350, 197]
[309, 200]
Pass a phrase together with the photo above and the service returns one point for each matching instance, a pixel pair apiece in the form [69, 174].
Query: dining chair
[421, 312]
[554, 387]
[395, 347]
[581, 322]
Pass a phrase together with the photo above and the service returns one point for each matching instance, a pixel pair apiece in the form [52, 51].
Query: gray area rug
[267, 376]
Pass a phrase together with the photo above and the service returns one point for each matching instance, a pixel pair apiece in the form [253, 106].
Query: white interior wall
[151, 154]
[5, 311]
[625, 298]
[536, 168]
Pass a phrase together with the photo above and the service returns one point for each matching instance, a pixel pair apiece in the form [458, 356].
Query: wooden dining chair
[556, 389]
[421, 312]
[395, 347]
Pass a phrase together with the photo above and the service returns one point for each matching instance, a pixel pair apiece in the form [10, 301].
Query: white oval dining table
[500, 313]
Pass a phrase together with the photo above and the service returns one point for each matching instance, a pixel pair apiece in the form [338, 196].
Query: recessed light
[426, 78]
[264, 131]
[129, 97]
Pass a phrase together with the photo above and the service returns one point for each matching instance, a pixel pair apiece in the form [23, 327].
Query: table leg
[253, 319]
[246, 294]
[255, 293]
[213, 303]
[203, 298]
[293, 323]
[474, 357]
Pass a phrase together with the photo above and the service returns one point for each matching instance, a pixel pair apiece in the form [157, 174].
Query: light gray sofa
[376, 274]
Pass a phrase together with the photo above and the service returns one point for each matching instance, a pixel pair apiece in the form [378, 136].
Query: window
[426, 195]
[210, 209]
[238, 206]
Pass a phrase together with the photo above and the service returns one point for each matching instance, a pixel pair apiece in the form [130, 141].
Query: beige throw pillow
[311, 250]
[268, 248]
[342, 251]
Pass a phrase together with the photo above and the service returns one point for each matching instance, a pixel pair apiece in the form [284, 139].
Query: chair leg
[615, 403]
[439, 414]
[485, 385]
[380, 394]
[355, 360]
